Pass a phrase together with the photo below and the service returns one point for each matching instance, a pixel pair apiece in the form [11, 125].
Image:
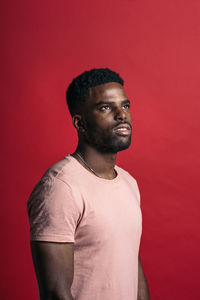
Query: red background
[155, 46]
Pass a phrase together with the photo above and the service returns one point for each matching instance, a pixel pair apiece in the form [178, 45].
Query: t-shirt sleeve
[54, 211]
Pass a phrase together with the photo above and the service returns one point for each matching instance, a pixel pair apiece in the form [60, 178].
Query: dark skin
[97, 125]
[106, 107]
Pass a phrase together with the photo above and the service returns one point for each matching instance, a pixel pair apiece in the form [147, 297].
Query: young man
[85, 218]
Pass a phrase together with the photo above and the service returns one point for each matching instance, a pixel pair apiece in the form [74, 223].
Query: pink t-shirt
[103, 219]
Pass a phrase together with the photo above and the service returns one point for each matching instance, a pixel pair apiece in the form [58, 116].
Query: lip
[123, 129]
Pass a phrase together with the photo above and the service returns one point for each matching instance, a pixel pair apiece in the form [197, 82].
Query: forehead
[107, 91]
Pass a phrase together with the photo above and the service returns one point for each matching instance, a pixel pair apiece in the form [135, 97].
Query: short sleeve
[54, 210]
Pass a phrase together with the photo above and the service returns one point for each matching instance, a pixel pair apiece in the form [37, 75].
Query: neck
[102, 163]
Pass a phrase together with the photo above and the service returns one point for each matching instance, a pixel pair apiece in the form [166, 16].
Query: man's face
[107, 118]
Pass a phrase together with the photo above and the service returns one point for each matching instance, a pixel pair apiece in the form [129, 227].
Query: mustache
[122, 123]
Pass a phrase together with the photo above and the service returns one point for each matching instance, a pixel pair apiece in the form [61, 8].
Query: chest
[110, 214]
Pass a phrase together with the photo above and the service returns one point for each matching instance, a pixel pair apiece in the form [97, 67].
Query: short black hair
[78, 89]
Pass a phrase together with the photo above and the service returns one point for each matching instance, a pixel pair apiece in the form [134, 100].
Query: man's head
[79, 89]
[100, 110]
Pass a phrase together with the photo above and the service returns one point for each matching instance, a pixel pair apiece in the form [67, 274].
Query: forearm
[56, 296]
[58, 290]
[143, 291]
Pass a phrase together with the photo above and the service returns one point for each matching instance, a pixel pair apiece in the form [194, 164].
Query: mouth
[123, 129]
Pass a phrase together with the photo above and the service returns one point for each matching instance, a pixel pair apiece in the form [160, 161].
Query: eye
[104, 107]
[126, 106]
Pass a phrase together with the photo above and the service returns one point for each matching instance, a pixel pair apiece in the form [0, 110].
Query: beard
[107, 142]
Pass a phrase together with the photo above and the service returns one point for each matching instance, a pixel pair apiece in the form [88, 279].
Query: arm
[143, 291]
[54, 267]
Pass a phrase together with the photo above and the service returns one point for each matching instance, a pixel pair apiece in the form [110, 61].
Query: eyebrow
[112, 102]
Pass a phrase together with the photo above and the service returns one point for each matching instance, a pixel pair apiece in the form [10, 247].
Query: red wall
[155, 46]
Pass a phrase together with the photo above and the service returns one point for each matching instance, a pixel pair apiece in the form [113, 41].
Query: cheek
[93, 126]
[129, 117]
[100, 122]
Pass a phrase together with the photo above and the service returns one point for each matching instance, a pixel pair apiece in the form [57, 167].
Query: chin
[118, 146]
[110, 145]
[121, 147]
[122, 144]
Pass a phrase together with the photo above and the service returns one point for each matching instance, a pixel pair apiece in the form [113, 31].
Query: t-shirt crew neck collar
[90, 174]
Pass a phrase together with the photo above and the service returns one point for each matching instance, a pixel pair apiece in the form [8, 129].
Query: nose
[120, 114]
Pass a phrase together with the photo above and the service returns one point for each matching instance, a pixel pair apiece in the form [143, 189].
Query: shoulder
[56, 185]
[125, 174]
[62, 171]
[129, 179]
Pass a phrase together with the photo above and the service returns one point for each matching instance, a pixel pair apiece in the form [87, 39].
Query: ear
[78, 123]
